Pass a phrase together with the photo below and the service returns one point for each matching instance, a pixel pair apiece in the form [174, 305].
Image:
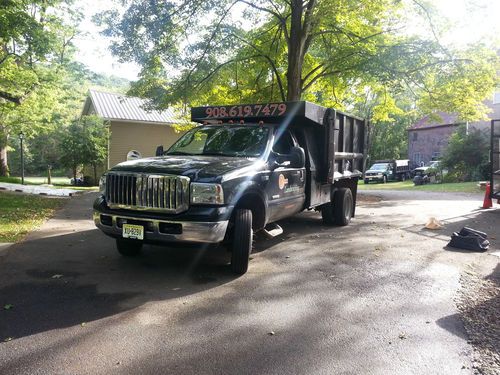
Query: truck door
[286, 188]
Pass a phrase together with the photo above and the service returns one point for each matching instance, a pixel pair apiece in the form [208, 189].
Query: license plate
[135, 232]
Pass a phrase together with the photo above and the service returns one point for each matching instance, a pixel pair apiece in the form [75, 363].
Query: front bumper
[374, 178]
[158, 230]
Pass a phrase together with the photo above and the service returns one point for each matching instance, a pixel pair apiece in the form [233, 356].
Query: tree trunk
[4, 167]
[295, 57]
[95, 174]
[74, 174]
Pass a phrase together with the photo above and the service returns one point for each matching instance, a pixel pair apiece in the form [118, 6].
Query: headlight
[206, 193]
[102, 184]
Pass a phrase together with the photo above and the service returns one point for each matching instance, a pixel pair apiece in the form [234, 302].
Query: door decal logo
[282, 181]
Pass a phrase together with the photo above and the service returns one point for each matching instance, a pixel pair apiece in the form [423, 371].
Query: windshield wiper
[217, 154]
[178, 153]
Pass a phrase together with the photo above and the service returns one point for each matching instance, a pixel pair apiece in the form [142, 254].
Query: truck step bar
[272, 230]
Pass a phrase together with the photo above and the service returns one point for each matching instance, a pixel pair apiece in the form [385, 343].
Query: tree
[35, 42]
[84, 142]
[327, 51]
[467, 155]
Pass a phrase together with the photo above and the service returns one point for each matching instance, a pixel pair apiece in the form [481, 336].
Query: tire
[384, 179]
[403, 177]
[343, 206]
[367, 182]
[128, 248]
[339, 212]
[242, 241]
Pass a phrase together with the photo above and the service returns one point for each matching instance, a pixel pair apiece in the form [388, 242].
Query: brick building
[428, 138]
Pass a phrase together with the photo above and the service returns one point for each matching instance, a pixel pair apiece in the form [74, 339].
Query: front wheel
[242, 241]
[128, 248]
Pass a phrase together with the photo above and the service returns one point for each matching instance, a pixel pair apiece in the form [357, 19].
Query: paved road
[372, 298]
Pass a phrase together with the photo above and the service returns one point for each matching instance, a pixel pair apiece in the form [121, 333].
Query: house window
[436, 155]
[415, 136]
[496, 98]
[417, 158]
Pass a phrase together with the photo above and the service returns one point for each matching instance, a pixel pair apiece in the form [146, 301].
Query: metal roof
[111, 106]
[439, 119]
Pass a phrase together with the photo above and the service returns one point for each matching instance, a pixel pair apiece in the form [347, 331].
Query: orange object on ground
[487, 203]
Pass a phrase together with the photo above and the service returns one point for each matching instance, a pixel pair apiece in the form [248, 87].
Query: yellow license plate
[135, 232]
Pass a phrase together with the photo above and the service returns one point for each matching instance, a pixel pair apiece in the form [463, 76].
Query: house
[428, 138]
[132, 127]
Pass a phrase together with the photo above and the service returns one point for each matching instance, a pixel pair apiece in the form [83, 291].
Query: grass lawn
[459, 187]
[21, 213]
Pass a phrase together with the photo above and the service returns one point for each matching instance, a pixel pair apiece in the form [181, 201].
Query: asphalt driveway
[376, 297]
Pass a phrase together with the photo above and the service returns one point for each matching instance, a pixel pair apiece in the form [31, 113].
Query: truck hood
[196, 167]
[374, 171]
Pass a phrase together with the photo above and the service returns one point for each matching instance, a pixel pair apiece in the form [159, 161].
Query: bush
[10, 180]
[466, 156]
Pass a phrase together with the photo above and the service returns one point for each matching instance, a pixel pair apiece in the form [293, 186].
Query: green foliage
[84, 142]
[35, 46]
[10, 180]
[333, 52]
[467, 155]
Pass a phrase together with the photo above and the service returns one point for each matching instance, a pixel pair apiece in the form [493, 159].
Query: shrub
[466, 156]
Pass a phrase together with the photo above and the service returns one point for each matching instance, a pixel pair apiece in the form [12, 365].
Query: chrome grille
[147, 192]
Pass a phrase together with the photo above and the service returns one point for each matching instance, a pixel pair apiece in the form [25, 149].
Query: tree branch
[271, 63]
[11, 98]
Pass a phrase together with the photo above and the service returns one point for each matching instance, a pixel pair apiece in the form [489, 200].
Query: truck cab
[241, 170]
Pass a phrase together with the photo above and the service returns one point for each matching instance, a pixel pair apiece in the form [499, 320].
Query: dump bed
[334, 140]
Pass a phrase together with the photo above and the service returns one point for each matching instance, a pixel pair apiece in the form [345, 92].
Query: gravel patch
[479, 305]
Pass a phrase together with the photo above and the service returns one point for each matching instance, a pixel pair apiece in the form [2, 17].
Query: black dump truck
[388, 170]
[241, 170]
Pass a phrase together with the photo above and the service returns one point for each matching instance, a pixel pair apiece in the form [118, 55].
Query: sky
[469, 21]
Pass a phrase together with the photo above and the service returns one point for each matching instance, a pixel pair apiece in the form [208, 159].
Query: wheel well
[254, 203]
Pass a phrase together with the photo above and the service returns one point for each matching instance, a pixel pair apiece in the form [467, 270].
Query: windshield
[379, 167]
[233, 140]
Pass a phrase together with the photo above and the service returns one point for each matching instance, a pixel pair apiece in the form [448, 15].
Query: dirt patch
[368, 198]
[479, 306]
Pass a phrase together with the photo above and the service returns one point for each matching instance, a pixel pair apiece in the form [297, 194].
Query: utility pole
[21, 137]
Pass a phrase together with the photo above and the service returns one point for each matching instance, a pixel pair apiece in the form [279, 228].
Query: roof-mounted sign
[243, 111]
[266, 112]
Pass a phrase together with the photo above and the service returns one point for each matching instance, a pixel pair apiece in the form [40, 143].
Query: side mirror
[297, 157]
[159, 151]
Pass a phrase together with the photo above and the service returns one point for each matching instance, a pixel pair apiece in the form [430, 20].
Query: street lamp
[21, 137]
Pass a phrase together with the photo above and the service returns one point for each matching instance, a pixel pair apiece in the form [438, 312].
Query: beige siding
[127, 136]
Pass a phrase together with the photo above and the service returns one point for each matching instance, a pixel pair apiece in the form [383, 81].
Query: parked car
[388, 170]
[427, 173]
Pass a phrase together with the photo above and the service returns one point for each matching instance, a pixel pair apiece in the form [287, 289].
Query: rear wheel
[340, 210]
[343, 205]
[242, 241]
[128, 248]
